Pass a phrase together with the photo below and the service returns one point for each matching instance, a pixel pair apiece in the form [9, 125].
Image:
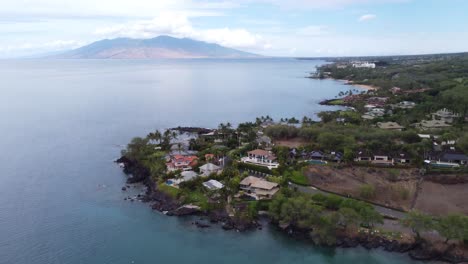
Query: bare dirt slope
[393, 187]
[441, 199]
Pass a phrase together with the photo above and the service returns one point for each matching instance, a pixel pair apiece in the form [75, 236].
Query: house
[382, 158]
[188, 175]
[317, 155]
[335, 156]
[184, 176]
[377, 101]
[264, 141]
[405, 105]
[262, 158]
[447, 157]
[213, 185]
[363, 156]
[432, 125]
[445, 115]
[209, 157]
[181, 162]
[401, 158]
[395, 90]
[389, 126]
[259, 188]
[209, 168]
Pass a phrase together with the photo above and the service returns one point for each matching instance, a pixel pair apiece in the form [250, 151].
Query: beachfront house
[213, 185]
[261, 157]
[209, 168]
[258, 188]
[447, 157]
[181, 162]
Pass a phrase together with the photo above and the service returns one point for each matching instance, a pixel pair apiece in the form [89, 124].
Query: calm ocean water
[63, 122]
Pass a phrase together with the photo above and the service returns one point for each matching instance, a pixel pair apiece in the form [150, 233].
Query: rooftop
[389, 125]
[259, 183]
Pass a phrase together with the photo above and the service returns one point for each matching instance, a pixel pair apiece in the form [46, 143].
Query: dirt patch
[441, 199]
[392, 187]
[291, 143]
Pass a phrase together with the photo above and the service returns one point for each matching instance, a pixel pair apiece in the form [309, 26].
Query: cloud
[323, 4]
[34, 48]
[92, 9]
[179, 25]
[367, 17]
[313, 31]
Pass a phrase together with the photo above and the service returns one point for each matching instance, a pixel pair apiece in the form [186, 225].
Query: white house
[213, 185]
[209, 168]
[262, 158]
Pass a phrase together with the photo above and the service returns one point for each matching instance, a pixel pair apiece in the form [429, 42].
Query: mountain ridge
[155, 48]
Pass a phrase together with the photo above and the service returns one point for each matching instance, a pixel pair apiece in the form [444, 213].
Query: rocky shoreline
[162, 202]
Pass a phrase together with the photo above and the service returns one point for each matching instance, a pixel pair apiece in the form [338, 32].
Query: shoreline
[162, 202]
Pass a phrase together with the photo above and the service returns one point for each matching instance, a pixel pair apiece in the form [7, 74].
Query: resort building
[209, 168]
[258, 188]
[213, 185]
[181, 162]
[364, 65]
[262, 158]
[389, 126]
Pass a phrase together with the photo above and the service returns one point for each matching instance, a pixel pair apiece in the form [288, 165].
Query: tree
[453, 226]
[370, 217]
[418, 222]
[349, 218]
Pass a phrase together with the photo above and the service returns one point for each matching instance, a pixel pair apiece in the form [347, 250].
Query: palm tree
[157, 136]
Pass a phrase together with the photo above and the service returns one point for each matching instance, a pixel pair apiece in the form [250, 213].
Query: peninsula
[389, 170]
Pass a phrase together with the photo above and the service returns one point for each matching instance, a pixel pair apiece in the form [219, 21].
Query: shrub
[367, 191]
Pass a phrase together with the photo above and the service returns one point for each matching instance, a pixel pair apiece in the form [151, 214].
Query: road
[388, 212]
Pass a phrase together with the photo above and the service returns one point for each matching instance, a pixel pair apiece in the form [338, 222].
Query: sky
[292, 28]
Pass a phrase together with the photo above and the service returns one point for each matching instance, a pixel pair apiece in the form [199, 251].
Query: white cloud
[314, 30]
[323, 4]
[367, 17]
[179, 25]
[72, 9]
[34, 48]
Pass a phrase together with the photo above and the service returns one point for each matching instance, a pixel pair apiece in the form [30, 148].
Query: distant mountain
[155, 48]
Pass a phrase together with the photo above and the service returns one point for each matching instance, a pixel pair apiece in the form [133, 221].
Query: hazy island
[389, 170]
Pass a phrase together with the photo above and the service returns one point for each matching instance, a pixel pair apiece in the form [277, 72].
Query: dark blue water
[61, 125]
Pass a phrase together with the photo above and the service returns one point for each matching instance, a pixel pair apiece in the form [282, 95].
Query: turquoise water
[62, 124]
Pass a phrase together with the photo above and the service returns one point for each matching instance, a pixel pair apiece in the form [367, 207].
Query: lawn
[197, 198]
[336, 102]
[298, 177]
[171, 191]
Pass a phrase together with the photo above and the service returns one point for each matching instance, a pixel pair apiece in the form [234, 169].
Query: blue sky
[269, 27]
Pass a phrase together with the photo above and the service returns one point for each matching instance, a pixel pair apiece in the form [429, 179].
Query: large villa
[258, 188]
[261, 157]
